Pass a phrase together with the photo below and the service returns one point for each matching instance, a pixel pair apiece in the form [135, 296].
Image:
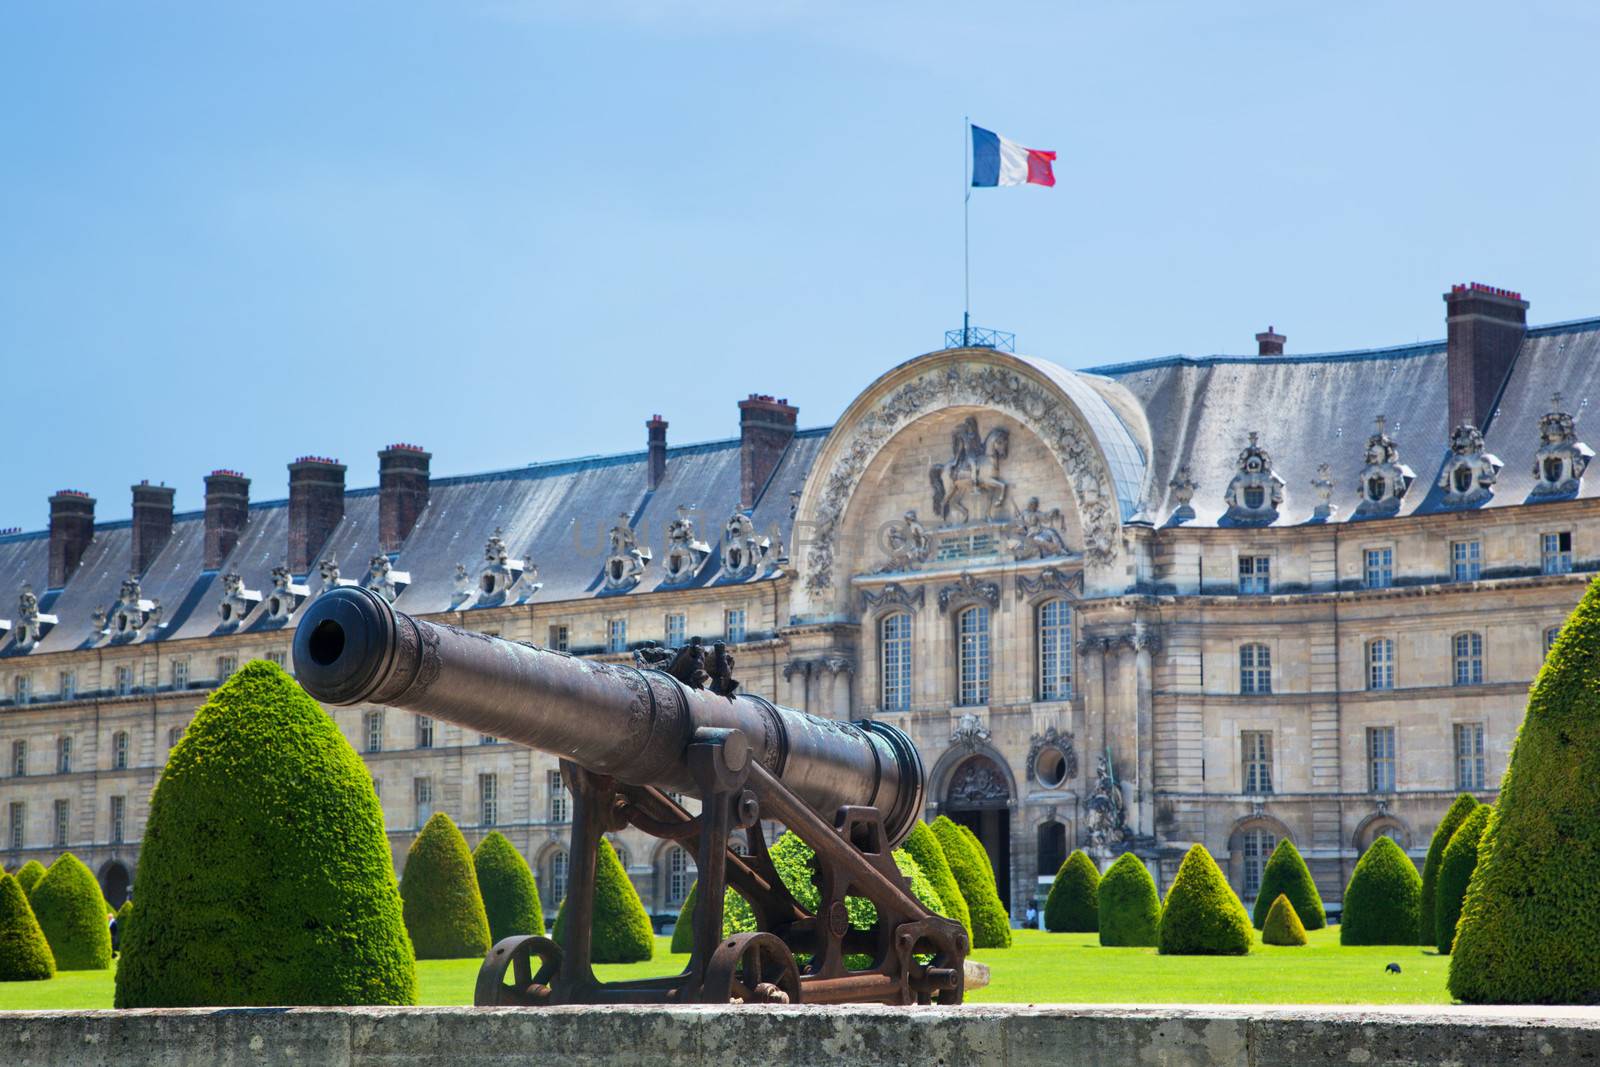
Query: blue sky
[510, 232]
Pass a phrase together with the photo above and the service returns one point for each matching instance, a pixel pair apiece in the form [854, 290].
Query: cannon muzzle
[633, 724]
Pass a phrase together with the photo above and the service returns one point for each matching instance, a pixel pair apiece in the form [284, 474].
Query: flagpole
[966, 239]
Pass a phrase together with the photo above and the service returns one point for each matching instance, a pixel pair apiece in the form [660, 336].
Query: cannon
[630, 737]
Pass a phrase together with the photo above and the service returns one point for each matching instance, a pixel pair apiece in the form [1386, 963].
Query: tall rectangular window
[1380, 663]
[119, 807]
[1258, 846]
[63, 822]
[422, 795]
[616, 635]
[226, 665]
[488, 799]
[180, 673]
[372, 730]
[894, 659]
[1380, 759]
[69, 685]
[1055, 650]
[677, 626]
[972, 631]
[556, 789]
[119, 750]
[19, 824]
[1379, 570]
[1468, 648]
[1555, 555]
[1255, 669]
[733, 626]
[124, 681]
[680, 875]
[279, 657]
[488, 739]
[63, 755]
[1550, 635]
[1466, 560]
[1469, 756]
[1255, 575]
[22, 688]
[424, 732]
[19, 758]
[1257, 745]
[558, 639]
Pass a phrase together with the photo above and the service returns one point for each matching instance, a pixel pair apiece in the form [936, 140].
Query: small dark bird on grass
[1393, 968]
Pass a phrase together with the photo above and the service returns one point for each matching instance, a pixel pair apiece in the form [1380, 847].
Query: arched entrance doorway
[115, 882]
[979, 798]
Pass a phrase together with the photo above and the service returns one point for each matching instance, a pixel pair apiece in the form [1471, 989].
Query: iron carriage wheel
[528, 988]
[752, 968]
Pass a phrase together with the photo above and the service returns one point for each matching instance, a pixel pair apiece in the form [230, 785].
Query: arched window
[119, 750]
[1257, 845]
[680, 875]
[1469, 659]
[558, 878]
[1055, 650]
[1380, 663]
[894, 660]
[1255, 669]
[972, 631]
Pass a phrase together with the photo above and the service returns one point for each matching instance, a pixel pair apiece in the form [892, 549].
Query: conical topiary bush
[1283, 926]
[969, 864]
[1286, 873]
[1073, 904]
[72, 914]
[510, 895]
[1427, 931]
[265, 876]
[737, 917]
[1202, 917]
[1527, 933]
[924, 847]
[1455, 872]
[1130, 907]
[621, 930]
[443, 906]
[24, 953]
[1383, 899]
[29, 875]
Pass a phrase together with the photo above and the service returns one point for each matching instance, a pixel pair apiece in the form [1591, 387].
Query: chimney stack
[1270, 343]
[1484, 327]
[402, 492]
[316, 504]
[227, 512]
[765, 427]
[71, 530]
[152, 523]
[656, 441]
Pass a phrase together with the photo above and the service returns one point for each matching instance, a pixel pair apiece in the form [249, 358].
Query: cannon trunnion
[626, 737]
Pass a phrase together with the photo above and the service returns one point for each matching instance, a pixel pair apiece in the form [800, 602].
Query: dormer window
[1562, 458]
[1469, 472]
[1384, 479]
[1255, 493]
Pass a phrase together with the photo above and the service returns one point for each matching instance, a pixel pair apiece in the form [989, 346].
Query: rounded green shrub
[924, 847]
[1527, 933]
[72, 914]
[265, 876]
[1383, 899]
[1286, 873]
[1073, 906]
[737, 918]
[1455, 872]
[1428, 932]
[510, 895]
[1130, 907]
[969, 864]
[29, 875]
[24, 953]
[443, 906]
[621, 930]
[1283, 926]
[1202, 917]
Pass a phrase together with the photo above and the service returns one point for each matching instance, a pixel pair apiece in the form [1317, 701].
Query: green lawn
[1039, 969]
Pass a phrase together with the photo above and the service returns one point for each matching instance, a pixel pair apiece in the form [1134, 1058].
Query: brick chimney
[71, 530]
[227, 512]
[402, 492]
[1484, 327]
[656, 441]
[152, 523]
[1270, 343]
[316, 504]
[765, 427]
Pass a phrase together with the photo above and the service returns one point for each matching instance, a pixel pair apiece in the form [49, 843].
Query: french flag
[997, 161]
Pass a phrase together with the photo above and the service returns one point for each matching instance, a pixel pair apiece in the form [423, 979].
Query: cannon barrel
[634, 724]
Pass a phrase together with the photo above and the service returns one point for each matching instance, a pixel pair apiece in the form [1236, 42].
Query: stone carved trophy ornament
[908, 543]
[978, 783]
[328, 568]
[1384, 479]
[1003, 390]
[1256, 493]
[1469, 472]
[132, 613]
[286, 595]
[893, 595]
[1107, 823]
[968, 590]
[237, 601]
[625, 565]
[1034, 533]
[1559, 464]
[685, 552]
[1049, 580]
[973, 470]
[383, 579]
[743, 549]
[1183, 486]
[30, 624]
[970, 733]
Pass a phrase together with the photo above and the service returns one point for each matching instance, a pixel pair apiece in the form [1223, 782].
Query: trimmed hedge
[1455, 872]
[510, 895]
[29, 875]
[924, 847]
[1286, 873]
[1427, 926]
[1383, 899]
[1130, 907]
[1073, 906]
[1283, 926]
[620, 931]
[443, 906]
[969, 865]
[1528, 931]
[24, 953]
[737, 918]
[72, 914]
[265, 876]
[1202, 916]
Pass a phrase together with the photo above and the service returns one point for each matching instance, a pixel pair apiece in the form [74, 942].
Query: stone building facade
[1224, 600]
